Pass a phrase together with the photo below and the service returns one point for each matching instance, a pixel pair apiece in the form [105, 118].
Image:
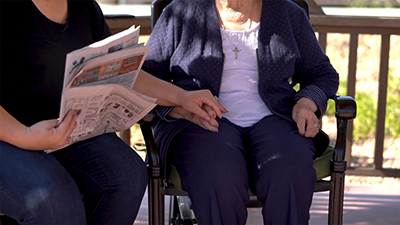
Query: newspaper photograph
[98, 84]
[128, 38]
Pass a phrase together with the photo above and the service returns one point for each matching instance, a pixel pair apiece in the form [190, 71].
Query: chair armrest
[153, 156]
[346, 109]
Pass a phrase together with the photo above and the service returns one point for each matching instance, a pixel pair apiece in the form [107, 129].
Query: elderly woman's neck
[238, 14]
[234, 4]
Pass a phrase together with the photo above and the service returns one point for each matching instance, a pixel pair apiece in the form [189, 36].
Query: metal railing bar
[362, 171]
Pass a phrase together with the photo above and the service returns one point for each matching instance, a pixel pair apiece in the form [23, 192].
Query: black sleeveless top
[33, 52]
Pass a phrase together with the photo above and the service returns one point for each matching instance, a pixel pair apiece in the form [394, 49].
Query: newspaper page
[98, 84]
[122, 40]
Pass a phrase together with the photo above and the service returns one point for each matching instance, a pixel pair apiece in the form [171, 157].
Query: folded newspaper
[98, 84]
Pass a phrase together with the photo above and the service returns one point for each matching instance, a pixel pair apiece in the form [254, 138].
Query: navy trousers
[270, 158]
[96, 181]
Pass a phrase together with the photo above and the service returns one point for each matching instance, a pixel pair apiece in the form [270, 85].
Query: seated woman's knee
[48, 202]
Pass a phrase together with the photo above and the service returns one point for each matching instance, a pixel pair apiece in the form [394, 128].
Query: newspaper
[98, 84]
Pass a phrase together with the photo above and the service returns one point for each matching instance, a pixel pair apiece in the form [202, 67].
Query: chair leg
[336, 195]
[155, 202]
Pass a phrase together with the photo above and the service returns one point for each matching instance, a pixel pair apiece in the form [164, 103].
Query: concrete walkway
[363, 205]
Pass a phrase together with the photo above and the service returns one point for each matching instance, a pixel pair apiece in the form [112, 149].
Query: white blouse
[239, 85]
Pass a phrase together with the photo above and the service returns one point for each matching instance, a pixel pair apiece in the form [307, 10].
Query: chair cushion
[174, 177]
[322, 166]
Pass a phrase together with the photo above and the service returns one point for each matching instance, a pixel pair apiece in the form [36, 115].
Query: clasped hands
[303, 114]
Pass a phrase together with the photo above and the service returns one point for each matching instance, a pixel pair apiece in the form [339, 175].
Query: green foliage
[392, 125]
[365, 123]
[331, 104]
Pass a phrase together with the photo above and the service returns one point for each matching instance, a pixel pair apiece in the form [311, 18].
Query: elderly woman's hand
[194, 101]
[211, 124]
[304, 115]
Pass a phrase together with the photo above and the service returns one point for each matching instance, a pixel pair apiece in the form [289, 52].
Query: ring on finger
[316, 125]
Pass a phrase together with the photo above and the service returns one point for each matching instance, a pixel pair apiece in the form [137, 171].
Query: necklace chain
[236, 50]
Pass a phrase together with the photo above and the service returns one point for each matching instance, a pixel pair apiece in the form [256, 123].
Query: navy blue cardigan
[186, 49]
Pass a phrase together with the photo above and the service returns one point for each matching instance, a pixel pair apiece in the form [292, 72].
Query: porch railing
[385, 27]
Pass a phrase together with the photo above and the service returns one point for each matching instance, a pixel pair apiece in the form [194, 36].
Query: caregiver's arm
[46, 134]
[168, 94]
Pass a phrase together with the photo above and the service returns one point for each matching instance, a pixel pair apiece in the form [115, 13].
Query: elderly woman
[245, 52]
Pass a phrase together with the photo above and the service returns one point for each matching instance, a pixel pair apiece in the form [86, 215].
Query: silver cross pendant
[236, 51]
